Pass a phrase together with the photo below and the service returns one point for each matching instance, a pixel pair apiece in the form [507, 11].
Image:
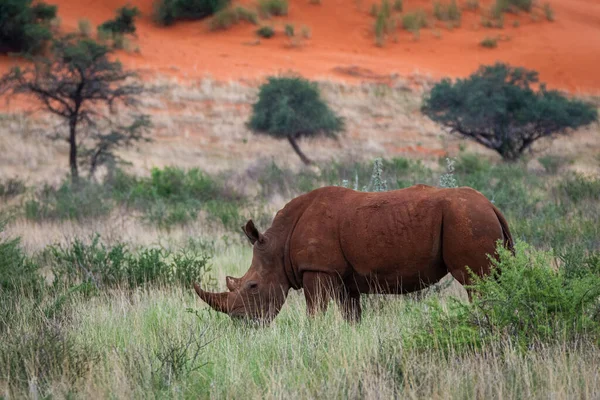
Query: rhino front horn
[217, 301]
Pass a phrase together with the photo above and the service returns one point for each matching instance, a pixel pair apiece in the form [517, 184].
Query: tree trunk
[73, 151]
[296, 148]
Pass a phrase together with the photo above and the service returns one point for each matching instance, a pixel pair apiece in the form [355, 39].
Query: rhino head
[261, 292]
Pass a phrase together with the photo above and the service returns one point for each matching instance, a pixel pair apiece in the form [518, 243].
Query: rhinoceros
[336, 243]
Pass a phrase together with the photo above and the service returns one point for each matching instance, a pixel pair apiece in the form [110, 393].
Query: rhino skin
[336, 243]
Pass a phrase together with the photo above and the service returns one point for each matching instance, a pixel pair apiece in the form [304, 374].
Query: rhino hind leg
[469, 237]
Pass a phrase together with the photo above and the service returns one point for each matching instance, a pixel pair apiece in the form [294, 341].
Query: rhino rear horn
[233, 284]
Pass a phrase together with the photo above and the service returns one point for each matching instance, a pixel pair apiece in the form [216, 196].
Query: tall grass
[92, 319]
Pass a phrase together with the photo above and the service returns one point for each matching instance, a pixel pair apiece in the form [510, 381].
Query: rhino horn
[218, 301]
[233, 284]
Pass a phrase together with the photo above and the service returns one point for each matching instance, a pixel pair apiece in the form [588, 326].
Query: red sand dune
[565, 52]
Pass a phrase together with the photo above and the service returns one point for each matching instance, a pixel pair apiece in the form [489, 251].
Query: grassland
[67, 333]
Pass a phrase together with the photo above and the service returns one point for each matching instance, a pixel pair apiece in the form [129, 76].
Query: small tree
[80, 84]
[292, 108]
[498, 107]
[24, 27]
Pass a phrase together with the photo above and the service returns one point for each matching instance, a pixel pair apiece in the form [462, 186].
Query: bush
[398, 5]
[276, 8]
[228, 17]
[526, 302]
[80, 201]
[171, 195]
[289, 30]
[498, 108]
[25, 27]
[578, 187]
[489, 42]
[414, 21]
[291, 108]
[111, 266]
[18, 274]
[167, 12]
[265, 32]
[123, 23]
[446, 12]
[512, 6]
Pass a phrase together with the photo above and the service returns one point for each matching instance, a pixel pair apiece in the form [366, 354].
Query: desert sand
[342, 44]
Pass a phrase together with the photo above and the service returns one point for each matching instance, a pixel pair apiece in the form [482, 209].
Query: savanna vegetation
[91, 315]
[105, 308]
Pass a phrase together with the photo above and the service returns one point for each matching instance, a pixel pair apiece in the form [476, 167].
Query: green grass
[137, 329]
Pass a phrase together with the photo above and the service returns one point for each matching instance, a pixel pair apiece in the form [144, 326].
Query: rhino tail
[508, 239]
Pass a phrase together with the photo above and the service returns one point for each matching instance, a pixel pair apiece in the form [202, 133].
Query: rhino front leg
[349, 302]
[319, 289]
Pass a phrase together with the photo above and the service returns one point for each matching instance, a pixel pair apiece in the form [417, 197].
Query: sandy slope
[565, 52]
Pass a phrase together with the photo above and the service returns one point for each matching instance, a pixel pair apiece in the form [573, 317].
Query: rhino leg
[349, 302]
[320, 288]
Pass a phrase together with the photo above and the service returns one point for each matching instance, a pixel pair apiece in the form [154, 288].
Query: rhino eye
[252, 285]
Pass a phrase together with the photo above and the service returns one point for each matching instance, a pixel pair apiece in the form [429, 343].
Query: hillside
[342, 43]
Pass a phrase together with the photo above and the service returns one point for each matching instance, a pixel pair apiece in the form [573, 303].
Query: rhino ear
[253, 234]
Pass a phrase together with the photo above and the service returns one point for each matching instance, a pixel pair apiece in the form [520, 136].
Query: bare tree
[80, 83]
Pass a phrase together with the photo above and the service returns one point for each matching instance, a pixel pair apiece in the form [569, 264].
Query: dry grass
[202, 124]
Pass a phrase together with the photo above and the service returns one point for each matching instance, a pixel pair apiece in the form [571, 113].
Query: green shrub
[246, 15]
[116, 265]
[170, 196]
[25, 27]
[414, 21]
[124, 22]
[276, 8]
[526, 302]
[18, 274]
[498, 107]
[446, 12]
[552, 163]
[265, 32]
[578, 187]
[489, 42]
[289, 30]
[512, 6]
[228, 17]
[398, 5]
[80, 201]
[291, 108]
[167, 12]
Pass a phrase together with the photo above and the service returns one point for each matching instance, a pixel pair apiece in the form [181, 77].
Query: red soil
[565, 52]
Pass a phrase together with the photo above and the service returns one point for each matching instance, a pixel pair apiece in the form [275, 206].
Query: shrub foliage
[499, 108]
[123, 23]
[292, 108]
[24, 26]
[167, 12]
